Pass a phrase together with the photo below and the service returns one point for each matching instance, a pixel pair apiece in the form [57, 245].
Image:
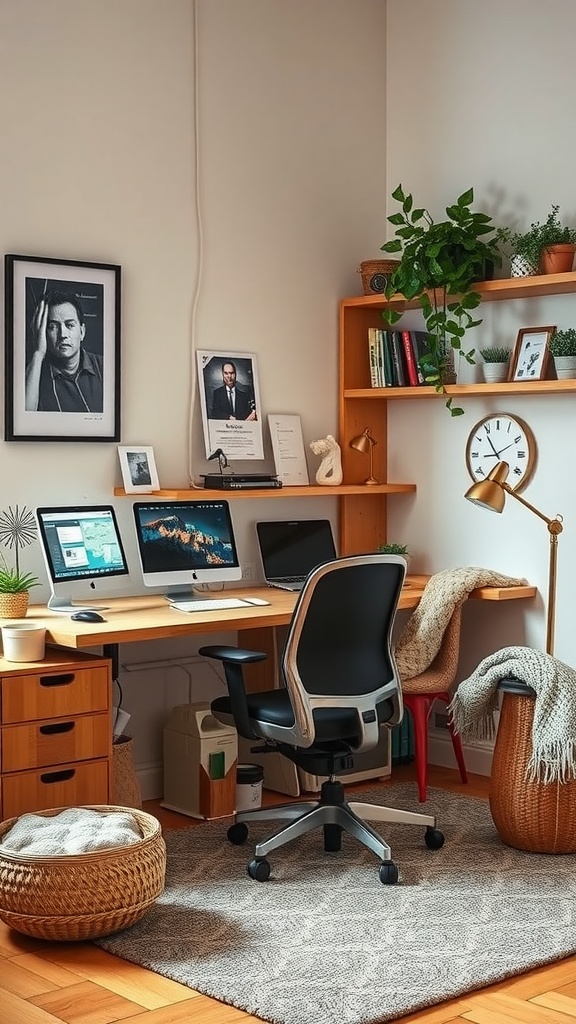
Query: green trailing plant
[563, 342]
[495, 354]
[439, 263]
[539, 236]
[394, 549]
[17, 531]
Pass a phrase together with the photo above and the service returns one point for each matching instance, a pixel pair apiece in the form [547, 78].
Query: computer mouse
[87, 616]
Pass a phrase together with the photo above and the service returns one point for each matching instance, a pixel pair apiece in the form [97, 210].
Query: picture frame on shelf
[230, 404]
[62, 349]
[138, 467]
[530, 356]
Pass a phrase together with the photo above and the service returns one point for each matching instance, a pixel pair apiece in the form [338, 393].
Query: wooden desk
[151, 617]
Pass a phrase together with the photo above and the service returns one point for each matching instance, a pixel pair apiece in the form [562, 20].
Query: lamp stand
[371, 479]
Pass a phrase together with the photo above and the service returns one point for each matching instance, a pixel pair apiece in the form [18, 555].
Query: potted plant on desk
[17, 531]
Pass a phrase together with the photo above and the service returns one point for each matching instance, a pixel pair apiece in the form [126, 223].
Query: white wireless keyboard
[212, 605]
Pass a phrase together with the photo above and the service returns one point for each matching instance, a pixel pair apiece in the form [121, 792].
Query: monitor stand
[64, 606]
[188, 594]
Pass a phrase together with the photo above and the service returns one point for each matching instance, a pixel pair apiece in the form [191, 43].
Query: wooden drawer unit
[55, 732]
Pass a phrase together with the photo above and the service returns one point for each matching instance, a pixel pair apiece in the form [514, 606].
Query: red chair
[420, 693]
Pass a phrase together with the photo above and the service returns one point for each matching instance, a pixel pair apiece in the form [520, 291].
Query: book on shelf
[420, 346]
[373, 354]
[389, 375]
[410, 359]
[398, 359]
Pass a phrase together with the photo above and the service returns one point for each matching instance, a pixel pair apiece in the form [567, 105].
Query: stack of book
[240, 482]
[395, 358]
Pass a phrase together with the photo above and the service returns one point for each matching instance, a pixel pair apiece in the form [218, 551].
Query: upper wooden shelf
[528, 387]
[491, 291]
[312, 491]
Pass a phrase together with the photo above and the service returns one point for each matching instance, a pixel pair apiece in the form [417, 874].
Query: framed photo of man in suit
[230, 402]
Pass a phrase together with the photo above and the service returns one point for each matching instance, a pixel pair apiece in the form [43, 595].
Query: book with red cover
[410, 360]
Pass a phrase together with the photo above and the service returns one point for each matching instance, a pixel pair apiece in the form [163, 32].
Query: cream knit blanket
[421, 638]
[553, 757]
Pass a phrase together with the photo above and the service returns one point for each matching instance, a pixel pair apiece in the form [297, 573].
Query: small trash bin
[200, 756]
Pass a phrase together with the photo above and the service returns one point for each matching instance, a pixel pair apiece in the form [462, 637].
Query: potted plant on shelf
[17, 531]
[546, 248]
[395, 549]
[562, 347]
[439, 263]
[495, 363]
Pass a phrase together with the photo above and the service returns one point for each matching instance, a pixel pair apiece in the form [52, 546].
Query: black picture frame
[42, 402]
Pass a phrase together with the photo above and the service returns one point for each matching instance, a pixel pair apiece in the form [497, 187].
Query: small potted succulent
[395, 549]
[546, 248]
[563, 349]
[495, 361]
[17, 530]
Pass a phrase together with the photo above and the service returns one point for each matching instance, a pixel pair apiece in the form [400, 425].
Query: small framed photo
[138, 469]
[530, 355]
[62, 352]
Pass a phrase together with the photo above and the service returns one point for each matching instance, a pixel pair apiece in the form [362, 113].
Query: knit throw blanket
[553, 757]
[421, 638]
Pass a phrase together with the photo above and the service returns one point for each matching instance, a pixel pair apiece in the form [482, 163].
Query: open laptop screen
[294, 547]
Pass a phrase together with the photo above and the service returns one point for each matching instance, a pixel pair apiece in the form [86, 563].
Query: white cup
[23, 641]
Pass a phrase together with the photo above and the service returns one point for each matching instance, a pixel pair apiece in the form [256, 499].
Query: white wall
[98, 99]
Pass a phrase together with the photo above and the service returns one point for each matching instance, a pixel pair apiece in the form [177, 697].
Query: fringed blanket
[421, 638]
[553, 756]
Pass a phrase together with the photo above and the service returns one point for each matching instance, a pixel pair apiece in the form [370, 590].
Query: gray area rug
[324, 942]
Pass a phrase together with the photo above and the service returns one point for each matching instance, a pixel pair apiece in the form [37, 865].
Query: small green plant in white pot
[395, 549]
[563, 349]
[495, 363]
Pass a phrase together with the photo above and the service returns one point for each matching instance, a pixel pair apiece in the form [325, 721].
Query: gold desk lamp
[365, 443]
[490, 493]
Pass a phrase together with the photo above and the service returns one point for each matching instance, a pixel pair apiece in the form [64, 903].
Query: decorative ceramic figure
[330, 469]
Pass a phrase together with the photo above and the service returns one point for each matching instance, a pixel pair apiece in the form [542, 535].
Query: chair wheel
[433, 838]
[238, 833]
[259, 869]
[388, 873]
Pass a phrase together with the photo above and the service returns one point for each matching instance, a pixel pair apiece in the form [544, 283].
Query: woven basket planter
[14, 606]
[534, 816]
[375, 274]
[86, 895]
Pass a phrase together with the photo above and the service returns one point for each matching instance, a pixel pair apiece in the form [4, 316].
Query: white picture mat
[288, 448]
[138, 469]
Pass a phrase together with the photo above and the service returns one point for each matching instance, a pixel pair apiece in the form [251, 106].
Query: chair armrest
[236, 655]
[233, 659]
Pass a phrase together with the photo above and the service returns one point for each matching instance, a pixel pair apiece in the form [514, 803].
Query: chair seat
[274, 708]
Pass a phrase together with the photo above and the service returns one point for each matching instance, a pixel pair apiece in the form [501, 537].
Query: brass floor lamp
[491, 494]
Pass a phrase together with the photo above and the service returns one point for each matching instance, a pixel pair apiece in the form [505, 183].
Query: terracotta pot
[557, 259]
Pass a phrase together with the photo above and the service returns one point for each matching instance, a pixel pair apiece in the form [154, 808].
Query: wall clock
[501, 437]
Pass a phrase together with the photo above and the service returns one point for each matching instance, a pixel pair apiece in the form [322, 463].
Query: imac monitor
[83, 553]
[183, 543]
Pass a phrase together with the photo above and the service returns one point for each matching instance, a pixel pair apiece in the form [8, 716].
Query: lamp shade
[489, 493]
[364, 443]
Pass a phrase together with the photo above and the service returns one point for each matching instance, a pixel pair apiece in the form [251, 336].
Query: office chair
[341, 686]
[422, 691]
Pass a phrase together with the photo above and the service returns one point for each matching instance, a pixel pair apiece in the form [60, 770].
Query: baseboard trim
[478, 757]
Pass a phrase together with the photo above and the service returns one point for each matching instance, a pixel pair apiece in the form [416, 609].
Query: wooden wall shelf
[312, 491]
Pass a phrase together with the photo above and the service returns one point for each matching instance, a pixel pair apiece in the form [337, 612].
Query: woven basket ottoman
[85, 895]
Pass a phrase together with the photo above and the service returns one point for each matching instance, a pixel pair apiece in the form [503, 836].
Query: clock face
[501, 437]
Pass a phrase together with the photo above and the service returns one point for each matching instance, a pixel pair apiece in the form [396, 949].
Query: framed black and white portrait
[230, 403]
[138, 469]
[62, 354]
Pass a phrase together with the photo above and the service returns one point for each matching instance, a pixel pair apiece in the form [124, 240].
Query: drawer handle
[63, 776]
[49, 730]
[63, 680]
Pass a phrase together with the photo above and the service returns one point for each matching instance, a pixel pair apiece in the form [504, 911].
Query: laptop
[290, 550]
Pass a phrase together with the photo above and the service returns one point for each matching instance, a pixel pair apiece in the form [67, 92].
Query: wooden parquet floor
[47, 983]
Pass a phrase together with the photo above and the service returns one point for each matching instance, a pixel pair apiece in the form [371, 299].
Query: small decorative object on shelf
[17, 531]
[439, 264]
[495, 365]
[329, 471]
[530, 356]
[394, 549]
[375, 275]
[562, 348]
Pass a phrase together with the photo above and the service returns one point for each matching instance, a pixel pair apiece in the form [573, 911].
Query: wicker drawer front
[54, 694]
[38, 744]
[85, 782]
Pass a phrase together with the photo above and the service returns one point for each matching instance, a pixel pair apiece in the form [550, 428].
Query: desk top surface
[146, 617]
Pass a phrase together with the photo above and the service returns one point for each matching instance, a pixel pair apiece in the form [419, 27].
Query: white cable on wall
[199, 250]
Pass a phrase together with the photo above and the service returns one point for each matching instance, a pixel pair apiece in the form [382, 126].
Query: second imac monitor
[183, 543]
